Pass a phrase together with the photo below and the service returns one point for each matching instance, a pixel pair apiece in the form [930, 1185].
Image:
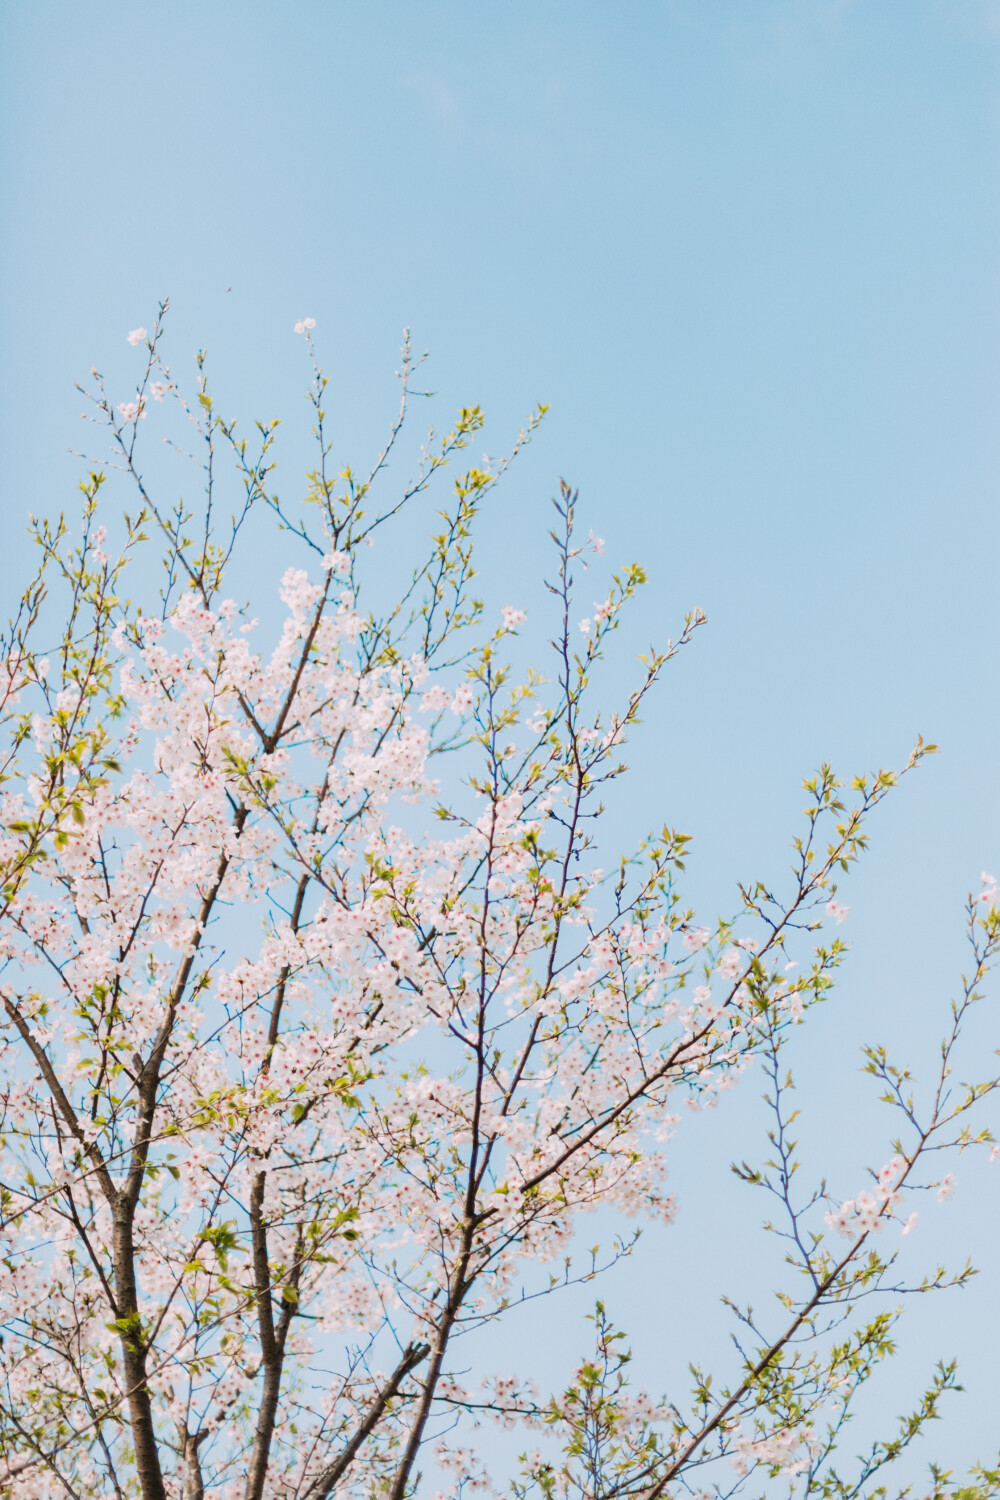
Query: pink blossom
[304, 324]
[462, 701]
[158, 390]
[946, 1187]
[512, 617]
[837, 911]
[843, 1219]
[888, 1176]
[136, 336]
[732, 963]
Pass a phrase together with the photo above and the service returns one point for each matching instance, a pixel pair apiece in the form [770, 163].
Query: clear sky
[748, 251]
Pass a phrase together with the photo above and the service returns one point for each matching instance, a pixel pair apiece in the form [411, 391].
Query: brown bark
[189, 1442]
[272, 1343]
[271, 1350]
[133, 1349]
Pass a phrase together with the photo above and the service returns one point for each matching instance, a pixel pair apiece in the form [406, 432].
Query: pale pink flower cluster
[786, 1452]
[512, 617]
[837, 911]
[869, 1211]
[462, 699]
[946, 1187]
[464, 1467]
[732, 963]
[305, 325]
[136, 336]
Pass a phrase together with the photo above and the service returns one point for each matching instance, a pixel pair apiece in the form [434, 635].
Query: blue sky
[748, 251]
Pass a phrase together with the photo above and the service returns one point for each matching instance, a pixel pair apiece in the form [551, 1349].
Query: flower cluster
[783, 1452]
[869, 1211]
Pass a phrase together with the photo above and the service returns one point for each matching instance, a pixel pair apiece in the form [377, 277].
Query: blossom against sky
[747, 253]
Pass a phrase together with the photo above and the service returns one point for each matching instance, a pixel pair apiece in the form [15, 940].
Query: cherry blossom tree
[326, 1020]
